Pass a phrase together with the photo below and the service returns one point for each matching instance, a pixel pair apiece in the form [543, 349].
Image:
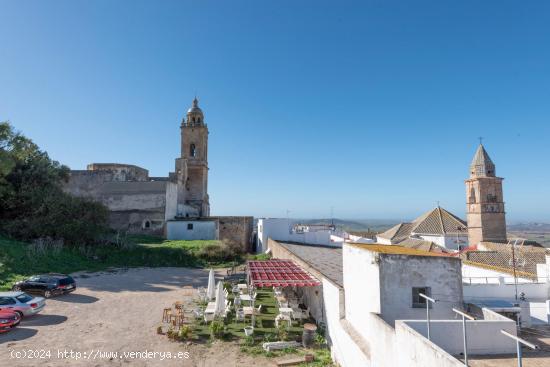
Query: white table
[246, 297]
[242, 286]
[249, 311]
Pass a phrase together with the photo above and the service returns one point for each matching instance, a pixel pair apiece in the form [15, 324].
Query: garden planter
[248, 331]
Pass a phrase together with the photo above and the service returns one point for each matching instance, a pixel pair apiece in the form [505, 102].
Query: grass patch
[19, 259]
[264, 331]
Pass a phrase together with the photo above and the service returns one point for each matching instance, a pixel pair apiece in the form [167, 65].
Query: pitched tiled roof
[506, 270]
[439, 222]
[423, 245]
[436, 222]
[398, 232]
[500, 255]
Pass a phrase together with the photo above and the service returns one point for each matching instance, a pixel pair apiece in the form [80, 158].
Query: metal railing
[496, 280]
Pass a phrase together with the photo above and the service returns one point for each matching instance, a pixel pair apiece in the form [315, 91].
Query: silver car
[22, 303]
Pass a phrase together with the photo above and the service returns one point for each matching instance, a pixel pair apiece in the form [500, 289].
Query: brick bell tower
[484, 201]
[192, 167]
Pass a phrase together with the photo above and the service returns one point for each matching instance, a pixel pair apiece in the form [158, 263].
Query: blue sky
[371, 107]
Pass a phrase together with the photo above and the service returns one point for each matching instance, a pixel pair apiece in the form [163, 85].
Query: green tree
[32, 201]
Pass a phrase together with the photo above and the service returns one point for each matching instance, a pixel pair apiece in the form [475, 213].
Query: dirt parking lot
[116, 312]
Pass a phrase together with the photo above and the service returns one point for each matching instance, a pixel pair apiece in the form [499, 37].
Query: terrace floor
[538, 335]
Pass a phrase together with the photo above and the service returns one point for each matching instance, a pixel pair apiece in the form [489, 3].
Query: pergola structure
[278, 273]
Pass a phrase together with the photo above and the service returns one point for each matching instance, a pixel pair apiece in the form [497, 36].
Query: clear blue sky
[372, 107]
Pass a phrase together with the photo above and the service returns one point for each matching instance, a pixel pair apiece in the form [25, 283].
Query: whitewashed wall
[383, 241]
[202, 230]
[533, 291]
[478, 275]
[484, 336]
[360, 337]
[540, 312]
[344, 350]
[171, 201]
[280, 229]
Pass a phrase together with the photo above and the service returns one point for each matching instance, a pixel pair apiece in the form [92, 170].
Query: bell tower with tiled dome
[192, 167]
[484, 201]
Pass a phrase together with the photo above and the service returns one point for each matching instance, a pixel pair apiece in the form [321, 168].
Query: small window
[189, 226]
[192, 150]
[417, 301]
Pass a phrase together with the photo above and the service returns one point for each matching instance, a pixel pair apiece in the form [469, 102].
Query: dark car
[47, 284]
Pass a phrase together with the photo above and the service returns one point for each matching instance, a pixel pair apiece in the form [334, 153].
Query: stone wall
[236, 231]
[120, 172]
[136, 205]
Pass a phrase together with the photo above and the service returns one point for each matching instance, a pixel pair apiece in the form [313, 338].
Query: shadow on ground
[43, 320]
[77, 298]
[17, 334]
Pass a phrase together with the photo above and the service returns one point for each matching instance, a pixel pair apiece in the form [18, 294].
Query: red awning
[279, 273]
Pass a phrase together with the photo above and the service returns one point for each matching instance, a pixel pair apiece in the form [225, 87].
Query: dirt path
[116, 312]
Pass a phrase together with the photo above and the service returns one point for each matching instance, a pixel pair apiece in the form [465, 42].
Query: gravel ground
[115, 312]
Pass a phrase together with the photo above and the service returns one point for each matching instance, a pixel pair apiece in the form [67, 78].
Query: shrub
[269, 337]
[185, 333]
[216, 252]
[171, 333]
[319, 339]
[217, 329]
[249, 341]
[282, 332]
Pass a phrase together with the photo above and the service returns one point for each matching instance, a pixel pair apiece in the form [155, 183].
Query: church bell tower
[192, 167]
[484, 200]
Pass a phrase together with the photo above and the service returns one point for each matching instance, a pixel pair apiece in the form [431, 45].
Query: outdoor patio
[224, 310]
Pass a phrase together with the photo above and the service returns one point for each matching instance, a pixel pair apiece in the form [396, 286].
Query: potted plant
[248, 330]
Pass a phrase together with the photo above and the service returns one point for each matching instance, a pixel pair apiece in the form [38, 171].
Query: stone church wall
[135, 206]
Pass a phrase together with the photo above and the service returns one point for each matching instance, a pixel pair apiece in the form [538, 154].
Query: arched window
[192, 150]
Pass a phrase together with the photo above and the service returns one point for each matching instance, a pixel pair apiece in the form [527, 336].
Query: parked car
[21, 303]
[8, 320]
[47, 284]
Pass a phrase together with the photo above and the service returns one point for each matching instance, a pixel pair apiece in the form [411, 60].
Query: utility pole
[514, 266]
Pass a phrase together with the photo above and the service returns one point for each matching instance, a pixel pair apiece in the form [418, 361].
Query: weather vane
[480, 140]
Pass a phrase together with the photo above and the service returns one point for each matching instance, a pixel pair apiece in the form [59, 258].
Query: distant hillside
[539, 232]
[356, 225]
[529, 227]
